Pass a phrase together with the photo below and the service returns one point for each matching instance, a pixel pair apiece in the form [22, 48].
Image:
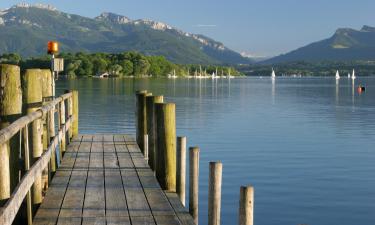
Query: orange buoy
[53, 47]
[361, 89]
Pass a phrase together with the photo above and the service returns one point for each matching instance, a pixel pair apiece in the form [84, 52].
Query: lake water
[305, 144]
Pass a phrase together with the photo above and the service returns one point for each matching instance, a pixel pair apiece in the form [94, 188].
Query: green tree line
[120, 65]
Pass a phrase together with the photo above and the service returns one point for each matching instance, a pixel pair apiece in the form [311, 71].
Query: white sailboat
[348, 75]
[173, 76]
[273, 74]
[337, 75]
[353, 75]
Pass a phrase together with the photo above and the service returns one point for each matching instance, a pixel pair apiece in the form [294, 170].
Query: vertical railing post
[150, 111]
[214, 193]
[69, 113]
[10, 110]
[246, 207]
[145, 147]
[181, 168]
[29, 211]
[51, 135]
[193, 182]
[165, 114]
[47, 95]
[32, 92]
[62, 124]
[75, 113]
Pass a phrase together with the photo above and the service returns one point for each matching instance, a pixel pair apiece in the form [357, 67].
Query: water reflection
[301, 154]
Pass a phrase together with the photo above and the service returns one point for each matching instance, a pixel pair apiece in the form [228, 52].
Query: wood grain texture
[104, 179]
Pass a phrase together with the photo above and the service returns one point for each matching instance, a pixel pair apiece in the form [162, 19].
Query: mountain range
[345, 45]
[25, 29]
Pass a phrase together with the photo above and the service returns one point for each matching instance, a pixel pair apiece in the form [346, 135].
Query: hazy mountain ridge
[25, 29]
[346, 44]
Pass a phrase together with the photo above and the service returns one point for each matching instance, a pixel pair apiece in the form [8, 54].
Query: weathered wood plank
[49, 210]
[158, 202]
[74, 197]
[129, 138]
[94, 205]
[180, 210]
[110, 184]
[118, 221]
[115, 196]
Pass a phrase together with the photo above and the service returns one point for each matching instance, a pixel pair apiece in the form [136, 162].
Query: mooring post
[165, 115]
[140, 115]
[150, 112]
[145, 142]
[47, 95]
[193, 182]
[181, 168]
[32, 92]
[214, 193]
[10, 110]
[75, 112]
[246, 208]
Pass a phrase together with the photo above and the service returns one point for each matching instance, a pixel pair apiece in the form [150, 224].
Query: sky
[258, 27]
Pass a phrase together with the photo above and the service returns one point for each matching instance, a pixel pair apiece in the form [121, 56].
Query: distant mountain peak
[24, 29]
[345, 44]
[113, 17]
[37, 5]
[366, 28]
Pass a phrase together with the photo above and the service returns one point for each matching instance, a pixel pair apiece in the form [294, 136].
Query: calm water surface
[306, 144]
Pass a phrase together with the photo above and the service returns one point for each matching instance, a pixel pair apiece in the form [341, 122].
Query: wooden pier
[104, 179]
[54, 176]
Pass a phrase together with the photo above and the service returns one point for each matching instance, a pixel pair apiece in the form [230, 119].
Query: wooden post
[47, 95]
[51, 135]
[214, 193]
[246, 208]
[145, 142]
[32, 92]
[150, 111]
[165, 115]
[10, 110]
[62, 124]
[181, 168]
[69, 113]
[75, 113]
[29, 211]
[140, 115]
[193, 185]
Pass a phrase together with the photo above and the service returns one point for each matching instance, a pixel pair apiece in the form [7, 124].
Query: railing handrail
[7, 133]
[9, 210]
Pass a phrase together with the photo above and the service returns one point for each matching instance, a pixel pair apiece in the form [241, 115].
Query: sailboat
[173, 76]
[214, 76]
[337, 75]
[348, 75]
[353, 75]
[273, 74]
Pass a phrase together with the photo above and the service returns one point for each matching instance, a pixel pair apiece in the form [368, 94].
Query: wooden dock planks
[104, 179]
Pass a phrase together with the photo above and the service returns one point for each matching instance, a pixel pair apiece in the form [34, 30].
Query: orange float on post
[53, 47]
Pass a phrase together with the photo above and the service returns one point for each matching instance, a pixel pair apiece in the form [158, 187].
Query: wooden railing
[34, 171]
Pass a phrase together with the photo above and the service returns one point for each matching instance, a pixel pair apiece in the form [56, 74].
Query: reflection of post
[337, 91]
[353, 92]
[229, 87]
[273, 91]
